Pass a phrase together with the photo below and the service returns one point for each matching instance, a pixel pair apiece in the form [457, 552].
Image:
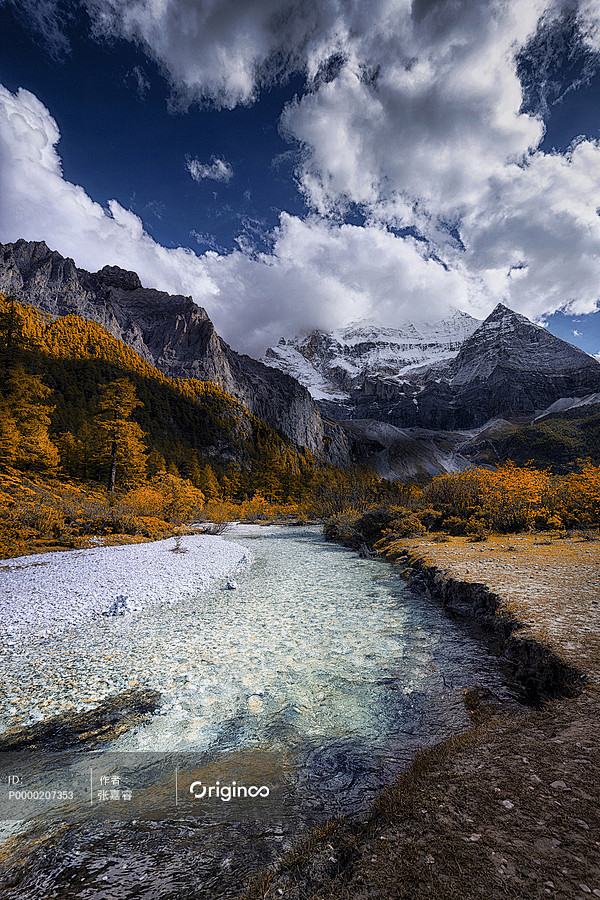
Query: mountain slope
[171, 333]
[510, 367]
[334, 364]
[452, 374]
[188, 422]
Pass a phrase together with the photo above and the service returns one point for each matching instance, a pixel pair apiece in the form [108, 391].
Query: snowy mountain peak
[503, 314]
[332, 364]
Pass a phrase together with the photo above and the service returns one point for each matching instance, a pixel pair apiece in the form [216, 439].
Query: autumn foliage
[512, 498]
[94, 441]
[97, 443]
[477, 502]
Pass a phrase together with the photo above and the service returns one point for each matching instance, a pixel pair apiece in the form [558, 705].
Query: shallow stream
[317, 678]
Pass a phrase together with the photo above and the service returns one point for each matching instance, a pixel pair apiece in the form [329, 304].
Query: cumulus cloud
[318, 273]
[216, 170]
[37, 203]
[414, 113]
[425, 110]
[415, 99]
[220, 51]
[541, 218]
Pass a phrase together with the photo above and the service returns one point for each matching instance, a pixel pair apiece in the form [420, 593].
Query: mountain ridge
[170, 332]
[431, 381]
[504, 366]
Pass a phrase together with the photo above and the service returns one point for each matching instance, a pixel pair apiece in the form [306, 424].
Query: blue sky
[297, 165]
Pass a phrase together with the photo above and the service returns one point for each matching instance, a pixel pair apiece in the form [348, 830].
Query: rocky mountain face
[510, 367]
[172, 333]
[413, 401]
[454, 374]
[335, 366]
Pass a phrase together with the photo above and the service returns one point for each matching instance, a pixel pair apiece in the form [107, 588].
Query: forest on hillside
[94, 441]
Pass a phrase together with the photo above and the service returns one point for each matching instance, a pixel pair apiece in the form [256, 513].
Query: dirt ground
[551, 584]
[511, 808]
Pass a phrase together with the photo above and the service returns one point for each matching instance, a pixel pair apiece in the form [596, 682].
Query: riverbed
[317, 676]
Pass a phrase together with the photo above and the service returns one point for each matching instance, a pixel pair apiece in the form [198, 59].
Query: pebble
[507, 804]
[582, 824]
[559, 786]
[110, 581]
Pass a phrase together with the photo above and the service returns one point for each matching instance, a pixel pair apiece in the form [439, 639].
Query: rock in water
[108, 720]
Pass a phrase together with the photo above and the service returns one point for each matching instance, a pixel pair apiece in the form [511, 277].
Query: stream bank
[319, 675]
[511, 807]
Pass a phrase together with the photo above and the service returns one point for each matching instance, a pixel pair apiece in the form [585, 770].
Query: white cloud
[138, 77]
[218, 50]
[542, 217]
[414, 115]
[576, 333]
[441, 115]
[36, 203]
[216, 170]
[319, 274]
[46, 21]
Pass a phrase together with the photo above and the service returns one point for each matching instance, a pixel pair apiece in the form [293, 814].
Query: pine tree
[11, 336]
[9, 435]
[156, 463]
[208, 483]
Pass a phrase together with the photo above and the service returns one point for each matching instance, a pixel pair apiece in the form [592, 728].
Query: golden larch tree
[119, 448]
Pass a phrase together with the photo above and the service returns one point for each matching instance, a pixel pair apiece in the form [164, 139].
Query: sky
[299, 164]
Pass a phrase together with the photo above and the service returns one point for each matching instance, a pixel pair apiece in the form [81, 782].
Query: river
[313, 682]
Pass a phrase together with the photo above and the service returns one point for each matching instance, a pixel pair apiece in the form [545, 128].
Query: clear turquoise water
[321, 675]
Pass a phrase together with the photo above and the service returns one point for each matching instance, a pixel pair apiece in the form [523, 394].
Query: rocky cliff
[172, 333]
[510, 367]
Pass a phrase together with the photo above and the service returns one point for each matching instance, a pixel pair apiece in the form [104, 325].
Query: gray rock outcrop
[170, 332]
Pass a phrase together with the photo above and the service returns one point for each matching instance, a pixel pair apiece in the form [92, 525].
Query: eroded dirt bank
[510, 809]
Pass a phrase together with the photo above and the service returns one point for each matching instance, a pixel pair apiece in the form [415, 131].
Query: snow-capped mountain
[333, 364]
[455, 373]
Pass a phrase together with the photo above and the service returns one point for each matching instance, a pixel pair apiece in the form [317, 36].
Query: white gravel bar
[49, 591]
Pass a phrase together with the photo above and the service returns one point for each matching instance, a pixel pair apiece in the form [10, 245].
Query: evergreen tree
[11, 337]
[208, 483]
[156, 464]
